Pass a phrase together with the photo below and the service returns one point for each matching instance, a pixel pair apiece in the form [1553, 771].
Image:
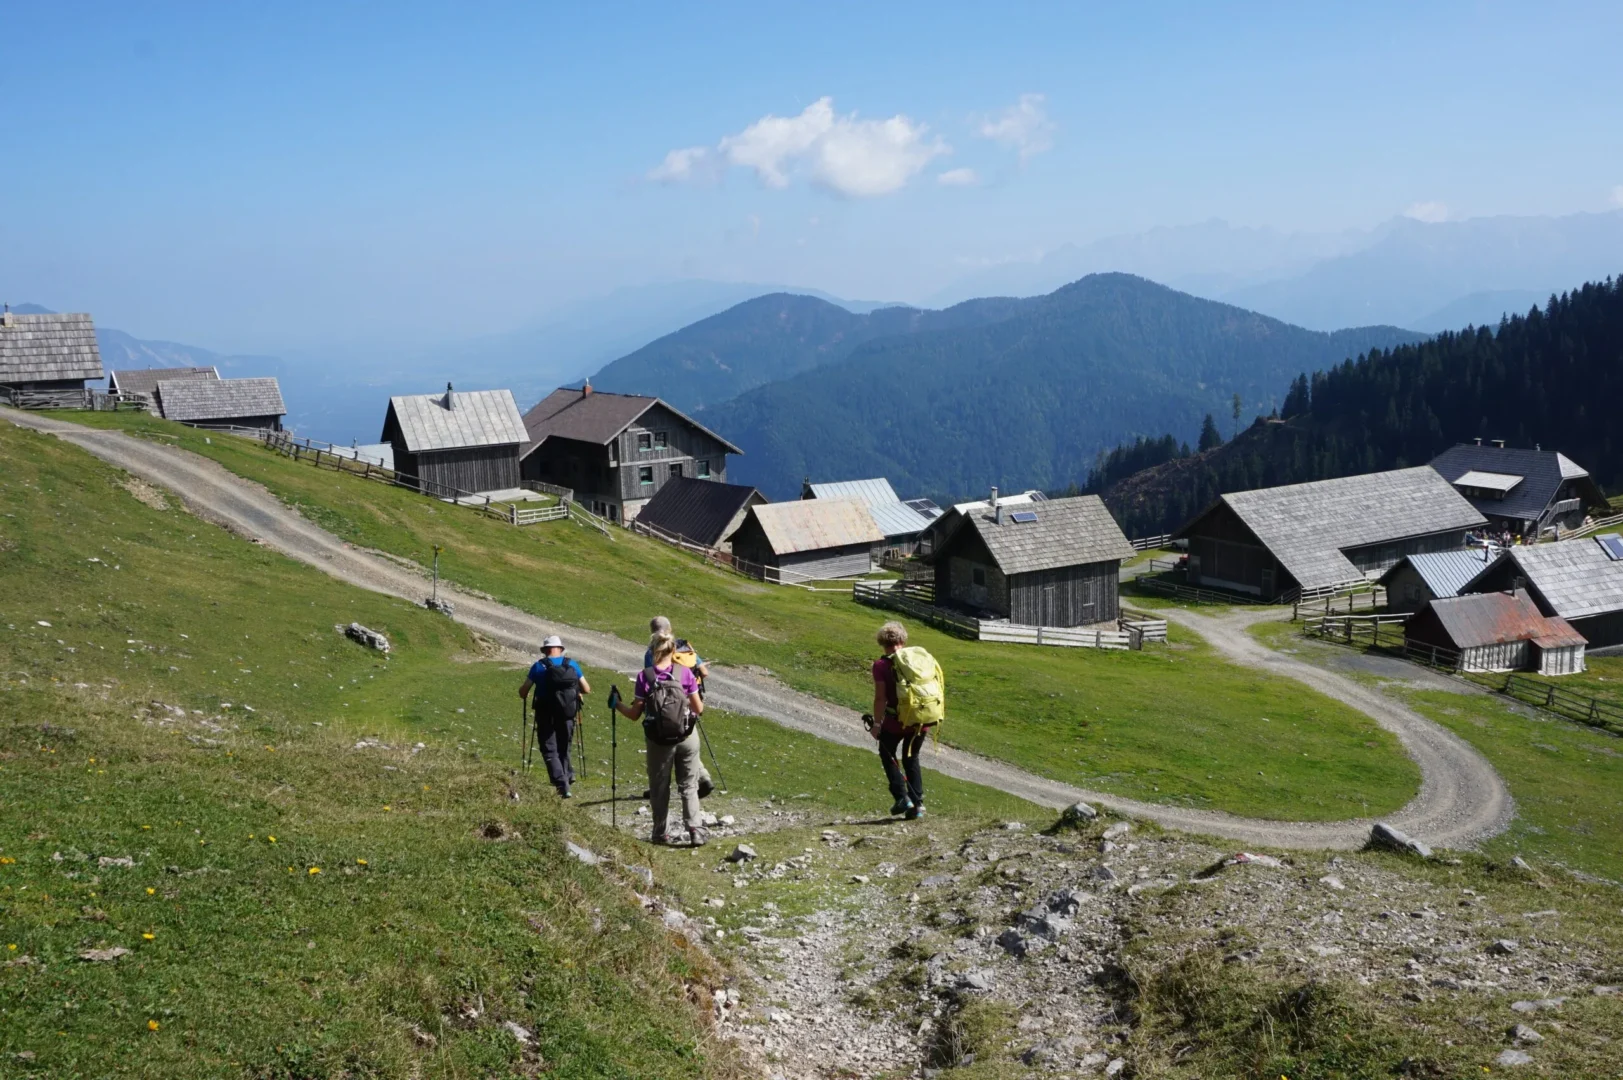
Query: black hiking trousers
[554, 737]
[905, 777]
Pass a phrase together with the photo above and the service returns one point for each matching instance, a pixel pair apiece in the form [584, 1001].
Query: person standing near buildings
[668, 704]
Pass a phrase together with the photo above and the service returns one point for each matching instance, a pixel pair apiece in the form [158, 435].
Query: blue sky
[269, 176]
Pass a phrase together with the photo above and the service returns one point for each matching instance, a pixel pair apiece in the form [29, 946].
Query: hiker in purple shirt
[667, 702]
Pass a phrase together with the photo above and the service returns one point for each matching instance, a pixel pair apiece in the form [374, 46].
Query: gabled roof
[894, 517]
[1065, 532]
[598, 417]
[815, 524]
[1496, 618]
[1576, 578]
[192, 400]
[146, 380]
[697, 510]
[1444, 572]
[1540, 474]
[474, 418]
[43, 348]
[1308, 526]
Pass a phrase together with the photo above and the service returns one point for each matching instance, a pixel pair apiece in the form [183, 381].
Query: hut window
[645, 441]
[676, 468]
[661, 440]
[978, 576]
[645, 475]
[704, 467]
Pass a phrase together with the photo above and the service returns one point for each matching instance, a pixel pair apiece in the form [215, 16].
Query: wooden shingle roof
[816, 524]
[192, 400]
[598, 417]
[43, 348]
[1538, 474]
[146, 380]
[1064, 532]
[472, 418]
[1308, 526]
[1577, 578]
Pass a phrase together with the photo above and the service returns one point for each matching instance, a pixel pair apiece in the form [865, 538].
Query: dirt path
[1461, 799]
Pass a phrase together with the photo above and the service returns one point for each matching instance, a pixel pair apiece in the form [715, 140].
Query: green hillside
[1552, 377]
[1027, 401]
[771, 338]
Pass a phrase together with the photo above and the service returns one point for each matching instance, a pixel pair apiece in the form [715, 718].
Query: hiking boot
[915, 812]
[660, 840]
[705, 788]
[565, 793]
[900, 807]
[698, 836]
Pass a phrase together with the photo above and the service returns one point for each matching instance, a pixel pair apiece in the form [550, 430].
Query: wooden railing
[1194, 594]
[525, 515]
[1320, 592]
[1596, 526]
[1585, 710]
[87, 398]
[541, 487]
[1333, 603]
[908, 599]
[1151, 543]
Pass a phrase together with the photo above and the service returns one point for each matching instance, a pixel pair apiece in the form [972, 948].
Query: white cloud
[958, 178]
[844, 154]
[1023, 126]
[689, 163]
[1617, 195]
[1430, 212]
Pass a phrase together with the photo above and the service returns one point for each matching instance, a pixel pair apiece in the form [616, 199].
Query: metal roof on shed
[894, 517]
[1066, 532]
[474, 418]
[219, 399]
[1308, 526]
[45, 348]
[1445, 572]
[1495, 618]
[816, 524]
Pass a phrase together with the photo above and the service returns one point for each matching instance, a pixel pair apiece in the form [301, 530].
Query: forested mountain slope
[770, 338]
[1552, 377]
[1027, 401]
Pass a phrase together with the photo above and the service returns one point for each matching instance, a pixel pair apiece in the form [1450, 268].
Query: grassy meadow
[1175, 724]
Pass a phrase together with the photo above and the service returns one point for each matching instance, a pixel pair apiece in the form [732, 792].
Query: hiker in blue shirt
[688, 657]
[559, 684]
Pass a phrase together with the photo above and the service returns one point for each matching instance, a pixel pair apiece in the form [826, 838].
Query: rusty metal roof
[1478, 619]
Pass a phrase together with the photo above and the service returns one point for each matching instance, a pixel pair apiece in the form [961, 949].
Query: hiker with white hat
[559, 684]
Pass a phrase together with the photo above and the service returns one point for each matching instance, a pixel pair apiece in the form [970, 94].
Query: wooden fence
[1194, 594]
[1151, 543]
[1595, 526]
[1327, 604]
[910, 599]
[1548, 696]
[94, 400]
[726, 560]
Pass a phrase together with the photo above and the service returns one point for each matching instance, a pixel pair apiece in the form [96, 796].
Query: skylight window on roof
[1612, 544]
[1023, 516]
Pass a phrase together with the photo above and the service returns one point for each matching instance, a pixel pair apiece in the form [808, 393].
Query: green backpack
[921, 688]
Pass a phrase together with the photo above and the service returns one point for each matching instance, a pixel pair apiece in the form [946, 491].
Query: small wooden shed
[1049, 563]
[47, 352]
[1498, 631]
[809, 539]
[458, 441]
[222, 403]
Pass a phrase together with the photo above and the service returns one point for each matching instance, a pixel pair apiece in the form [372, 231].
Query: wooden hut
[1418, 579]
[1498, 631]
[809, 539]
[222, 403]
[458, 441]
[1580, 581]
[705, 513]
[902, 521]
[143, 382]
[1270, 541]
[47, 353]
[1052, 562]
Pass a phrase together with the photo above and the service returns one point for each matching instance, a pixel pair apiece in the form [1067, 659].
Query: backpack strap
[650, 675]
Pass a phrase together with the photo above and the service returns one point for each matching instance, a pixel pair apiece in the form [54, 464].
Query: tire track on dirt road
[1461, 798]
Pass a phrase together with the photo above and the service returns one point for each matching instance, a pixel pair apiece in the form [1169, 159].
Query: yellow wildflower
[151, 891]
[148, 936]
[315, 870]
[386, 806]
[146, 826]
[152, 1025]
[361, 862]
[272, 839]
[13, 948]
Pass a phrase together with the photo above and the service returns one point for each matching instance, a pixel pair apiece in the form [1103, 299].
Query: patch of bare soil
[145, 493]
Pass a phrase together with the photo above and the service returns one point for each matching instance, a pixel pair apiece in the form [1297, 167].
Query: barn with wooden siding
[458, 441]
[616, 451]
[47, 353]
[1498, 631]
[1270, 541]
[222, 403]
[809, 539]
[1048, 563]
[1580, 581]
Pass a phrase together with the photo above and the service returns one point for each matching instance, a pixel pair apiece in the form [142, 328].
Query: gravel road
[1461, 798]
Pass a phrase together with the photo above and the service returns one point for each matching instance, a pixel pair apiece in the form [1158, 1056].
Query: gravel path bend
[1461, 799]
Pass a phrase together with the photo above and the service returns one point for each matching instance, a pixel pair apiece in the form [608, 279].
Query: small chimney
[586, 390]
[450, 397]
[1538, 446]
[1500, 443]
[5, 316]
[997, 508]
[1479, 440]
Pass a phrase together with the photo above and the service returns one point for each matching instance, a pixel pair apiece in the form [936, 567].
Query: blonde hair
[663, 646]
[892, 633]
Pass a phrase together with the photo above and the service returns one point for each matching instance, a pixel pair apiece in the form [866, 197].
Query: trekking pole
[524, 732]
[580, 742]
[614, 757]
[705, 735]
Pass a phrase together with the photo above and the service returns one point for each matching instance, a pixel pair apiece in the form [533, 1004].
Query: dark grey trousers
[683, 759]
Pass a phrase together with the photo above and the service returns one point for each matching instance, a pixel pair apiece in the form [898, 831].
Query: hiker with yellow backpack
[909, 699]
